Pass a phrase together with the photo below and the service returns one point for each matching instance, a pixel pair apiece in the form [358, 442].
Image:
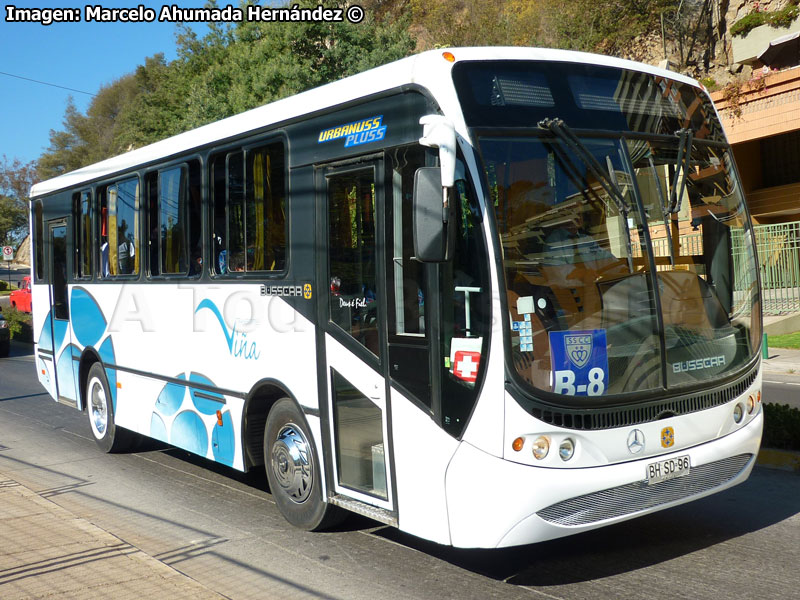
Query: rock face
[23, 257]
[706, 52]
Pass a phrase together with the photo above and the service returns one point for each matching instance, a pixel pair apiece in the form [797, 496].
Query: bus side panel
[43, 338]
[180, 358]
[422, 452]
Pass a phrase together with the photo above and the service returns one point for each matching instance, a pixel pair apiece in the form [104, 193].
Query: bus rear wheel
[293, 471]
[100, 410]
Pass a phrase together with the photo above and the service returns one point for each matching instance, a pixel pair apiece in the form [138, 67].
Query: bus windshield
[628, 258]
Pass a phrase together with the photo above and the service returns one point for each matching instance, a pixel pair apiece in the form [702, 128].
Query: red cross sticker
[466, 365]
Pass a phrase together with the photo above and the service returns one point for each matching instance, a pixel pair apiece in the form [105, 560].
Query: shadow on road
[632, 545]
[19, 350]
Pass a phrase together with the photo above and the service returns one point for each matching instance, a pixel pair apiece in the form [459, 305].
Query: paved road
[781, 389]
[222, 528]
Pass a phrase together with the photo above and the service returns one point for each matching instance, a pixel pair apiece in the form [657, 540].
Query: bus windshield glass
[628, 255]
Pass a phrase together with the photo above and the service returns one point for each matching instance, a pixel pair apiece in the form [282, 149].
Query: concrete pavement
[50, 553]
[782, 361]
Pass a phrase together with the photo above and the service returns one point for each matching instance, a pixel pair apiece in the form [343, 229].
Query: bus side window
[236, 214]
[152, 224]
[105, 270]
[265, 209]
[249, 226]
[219, 238]
[38, 223]
[83, 216]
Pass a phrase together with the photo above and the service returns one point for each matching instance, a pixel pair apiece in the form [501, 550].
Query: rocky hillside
[705, 51]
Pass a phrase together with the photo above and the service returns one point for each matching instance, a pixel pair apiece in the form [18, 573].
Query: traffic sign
[8, 253]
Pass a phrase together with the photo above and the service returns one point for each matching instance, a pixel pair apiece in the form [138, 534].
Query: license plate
[663, 470]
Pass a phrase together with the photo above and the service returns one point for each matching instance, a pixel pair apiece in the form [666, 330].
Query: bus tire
[293, 470]
[100, 410]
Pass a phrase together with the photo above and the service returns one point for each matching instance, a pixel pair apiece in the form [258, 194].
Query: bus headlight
[738, 413]
[566, 449]
[541, 446]
[751, 404]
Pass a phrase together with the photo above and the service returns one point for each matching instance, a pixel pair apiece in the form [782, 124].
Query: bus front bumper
[496, 503]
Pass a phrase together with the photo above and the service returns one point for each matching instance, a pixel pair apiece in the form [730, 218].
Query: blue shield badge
[579, 360]
[578, 347]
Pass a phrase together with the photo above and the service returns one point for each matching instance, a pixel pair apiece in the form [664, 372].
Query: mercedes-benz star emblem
[635, 441]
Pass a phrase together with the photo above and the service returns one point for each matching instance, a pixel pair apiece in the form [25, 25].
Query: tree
[233, 68]
[16, 179]
[248, 64]
[91, 137]
[157, 105]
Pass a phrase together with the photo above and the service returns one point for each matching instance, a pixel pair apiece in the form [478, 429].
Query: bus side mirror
[433, 221]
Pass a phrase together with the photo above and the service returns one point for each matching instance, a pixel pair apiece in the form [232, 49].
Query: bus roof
[428, 69]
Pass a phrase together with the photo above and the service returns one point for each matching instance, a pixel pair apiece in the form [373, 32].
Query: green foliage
[710, 83]
[20, 324]
[590, 25]
[781, 427]
[233, 68]
[789, 340]
[747, 23]
[16, 179]
[785, 16]
[779, 18]
[238, 66]
[4, 285]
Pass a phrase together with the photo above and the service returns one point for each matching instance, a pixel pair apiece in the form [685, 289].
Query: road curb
[785, 460]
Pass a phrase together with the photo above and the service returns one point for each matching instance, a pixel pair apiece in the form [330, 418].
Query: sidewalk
[47, 552]
[783, 361]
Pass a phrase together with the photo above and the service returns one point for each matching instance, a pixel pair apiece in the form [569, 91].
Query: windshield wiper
[681, 170]
[609, 184]
[562, 131]
[664, 209]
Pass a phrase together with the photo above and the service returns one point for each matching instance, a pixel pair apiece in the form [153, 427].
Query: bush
[20, 324]
[710, 83]
[780, 18]
[747, 23]
[781, 427]
[4, 286]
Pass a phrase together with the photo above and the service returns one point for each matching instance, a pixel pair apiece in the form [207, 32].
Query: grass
[789, 340]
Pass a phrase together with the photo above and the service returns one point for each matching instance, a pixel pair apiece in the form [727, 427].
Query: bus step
[364, 509]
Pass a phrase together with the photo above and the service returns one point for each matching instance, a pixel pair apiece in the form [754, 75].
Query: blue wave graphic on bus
[183, 417]
[67, 344]
[238, 346]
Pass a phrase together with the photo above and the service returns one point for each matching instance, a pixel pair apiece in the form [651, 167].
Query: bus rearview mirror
[432, 219]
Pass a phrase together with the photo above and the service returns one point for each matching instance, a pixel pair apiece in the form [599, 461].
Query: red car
[21, 298]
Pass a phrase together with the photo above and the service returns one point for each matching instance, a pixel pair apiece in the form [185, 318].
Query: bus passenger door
[59, 265]
[351, 340]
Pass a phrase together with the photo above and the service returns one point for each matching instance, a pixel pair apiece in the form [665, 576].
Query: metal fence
[779, 263]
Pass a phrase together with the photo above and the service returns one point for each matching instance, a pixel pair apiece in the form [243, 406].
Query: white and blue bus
[489, 296]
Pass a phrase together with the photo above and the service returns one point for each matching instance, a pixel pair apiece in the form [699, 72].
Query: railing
[779, 263]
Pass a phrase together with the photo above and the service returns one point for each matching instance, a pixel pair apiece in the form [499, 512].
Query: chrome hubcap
[98, 408]
[292, 464]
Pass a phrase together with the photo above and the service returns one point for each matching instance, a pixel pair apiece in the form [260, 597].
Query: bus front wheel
[100, 409]
[293, 471]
